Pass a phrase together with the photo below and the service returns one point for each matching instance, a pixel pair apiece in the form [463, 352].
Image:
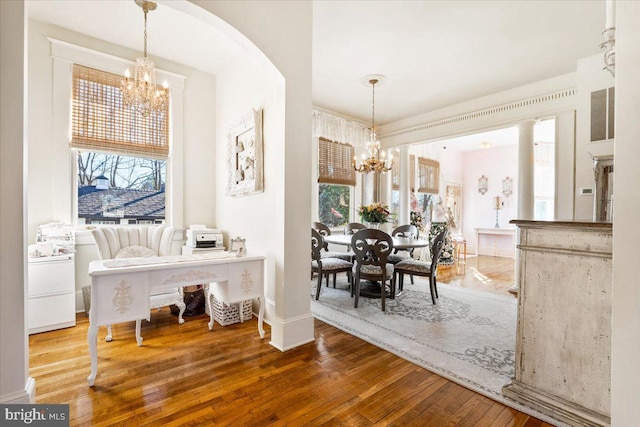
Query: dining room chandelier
[376, 162]
[141, 91]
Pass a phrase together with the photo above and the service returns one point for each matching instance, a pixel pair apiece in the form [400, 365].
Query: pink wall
[477, 209]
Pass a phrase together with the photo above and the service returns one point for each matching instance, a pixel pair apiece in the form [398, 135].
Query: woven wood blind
[101, 122]
[428, 176]
[335, 163]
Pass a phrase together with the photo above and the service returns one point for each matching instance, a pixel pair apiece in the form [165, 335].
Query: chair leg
[412, 279]
[327, 274]
[401, 282]
[435, 286]
[334, 280]
[356, 290]
[383, 293]
[433, 299]
[319, 285]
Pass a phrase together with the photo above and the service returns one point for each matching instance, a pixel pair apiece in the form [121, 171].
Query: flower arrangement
[375, 212]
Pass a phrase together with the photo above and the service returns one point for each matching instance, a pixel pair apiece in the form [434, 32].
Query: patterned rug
[468, 337]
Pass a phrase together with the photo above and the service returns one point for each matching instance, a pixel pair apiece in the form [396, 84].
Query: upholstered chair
[407, 230]
[135, 242]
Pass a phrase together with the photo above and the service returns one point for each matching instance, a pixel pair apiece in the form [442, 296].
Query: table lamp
[497, 205]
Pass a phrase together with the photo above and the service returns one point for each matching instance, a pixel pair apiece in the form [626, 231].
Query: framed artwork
[237, 246]
[245, 166]
[507, 186]
[483, 184]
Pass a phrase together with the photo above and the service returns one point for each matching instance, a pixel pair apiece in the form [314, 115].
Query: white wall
[16, 386]
[282, 32]
[625, 301]
[477, 209]
[51, 179]
[590, 77]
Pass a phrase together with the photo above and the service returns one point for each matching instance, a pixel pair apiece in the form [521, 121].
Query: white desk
[506, 237]
[120, 288]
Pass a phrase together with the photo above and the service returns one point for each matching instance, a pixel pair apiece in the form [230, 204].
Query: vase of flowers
[374, 214]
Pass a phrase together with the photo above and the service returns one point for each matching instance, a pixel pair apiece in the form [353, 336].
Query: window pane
[334, 204]
[114, 189]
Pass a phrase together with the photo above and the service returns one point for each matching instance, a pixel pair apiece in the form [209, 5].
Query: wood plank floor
[187, 375]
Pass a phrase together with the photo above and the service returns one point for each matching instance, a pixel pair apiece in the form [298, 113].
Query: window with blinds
[101, 122]
[428, 176]
[335, 163]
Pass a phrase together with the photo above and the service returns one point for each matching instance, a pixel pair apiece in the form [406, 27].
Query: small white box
[229, 314]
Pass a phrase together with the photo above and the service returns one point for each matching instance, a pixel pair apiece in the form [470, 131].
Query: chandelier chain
[145, 32]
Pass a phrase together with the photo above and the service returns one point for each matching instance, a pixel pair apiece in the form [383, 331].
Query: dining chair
[372, 249]
[421, 268]
[326, 266]
[353, 227]
[324, 230]
[407, 230]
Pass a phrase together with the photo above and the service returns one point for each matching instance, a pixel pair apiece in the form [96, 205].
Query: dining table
[372, 289]
[399, 243]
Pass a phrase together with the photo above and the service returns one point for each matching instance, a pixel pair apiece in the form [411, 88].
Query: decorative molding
[485, 112]
[122, 297]
[247, 282]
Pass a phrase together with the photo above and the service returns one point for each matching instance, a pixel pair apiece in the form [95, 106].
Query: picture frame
[245, 163]
[507, 186]
[237, 246]
[483, 185]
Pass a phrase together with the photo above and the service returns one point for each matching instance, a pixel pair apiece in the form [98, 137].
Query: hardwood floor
[484, 273]
[187, 375]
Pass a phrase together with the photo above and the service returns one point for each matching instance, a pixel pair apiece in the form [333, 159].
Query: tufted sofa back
[110, 240]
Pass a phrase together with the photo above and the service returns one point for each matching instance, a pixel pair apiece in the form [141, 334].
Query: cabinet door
[51, 277]
[51, 312]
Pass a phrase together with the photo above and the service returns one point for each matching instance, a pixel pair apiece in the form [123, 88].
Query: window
[428, 176]
[336, 179]
[122, 155]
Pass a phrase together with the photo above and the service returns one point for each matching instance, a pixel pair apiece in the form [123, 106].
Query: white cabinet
[51, 293]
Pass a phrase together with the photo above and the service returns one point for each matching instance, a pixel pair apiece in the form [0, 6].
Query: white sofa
[145, 241]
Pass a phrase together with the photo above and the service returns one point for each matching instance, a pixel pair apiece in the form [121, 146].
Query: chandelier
[609, 34]
[141, 91]
[373, 163]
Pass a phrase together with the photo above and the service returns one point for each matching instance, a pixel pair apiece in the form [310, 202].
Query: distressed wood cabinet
[563, 340]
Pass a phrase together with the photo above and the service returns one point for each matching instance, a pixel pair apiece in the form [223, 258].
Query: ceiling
[433, 53]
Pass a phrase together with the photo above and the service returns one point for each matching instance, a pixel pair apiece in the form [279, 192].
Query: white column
[525, 170]
[405, 185]
[625, 334]
[526, 196]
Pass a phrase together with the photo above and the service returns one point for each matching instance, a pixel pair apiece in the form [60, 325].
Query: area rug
[468, 337]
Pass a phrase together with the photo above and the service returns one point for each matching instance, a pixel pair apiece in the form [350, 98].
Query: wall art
[245, 165]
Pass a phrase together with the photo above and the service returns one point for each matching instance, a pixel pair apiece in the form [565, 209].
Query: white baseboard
[22, 397]
[291, 333]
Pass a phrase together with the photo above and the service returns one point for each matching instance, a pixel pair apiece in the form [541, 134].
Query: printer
[198, 236]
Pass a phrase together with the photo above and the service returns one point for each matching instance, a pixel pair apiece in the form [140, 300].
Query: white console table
[508, 249]
[120, 288]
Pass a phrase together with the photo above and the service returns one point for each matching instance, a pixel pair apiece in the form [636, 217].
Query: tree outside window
[334, 204]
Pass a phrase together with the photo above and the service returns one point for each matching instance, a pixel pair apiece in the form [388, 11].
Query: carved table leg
[109, 336]
[261, 316]
[210, 302]
[92, 338]
[138, 334]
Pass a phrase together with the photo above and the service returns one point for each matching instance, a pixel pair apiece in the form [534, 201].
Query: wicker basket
[229, 314]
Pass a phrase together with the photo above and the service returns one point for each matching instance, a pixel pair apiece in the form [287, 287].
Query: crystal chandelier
[374, 163]
[609, 34]
[141, 91]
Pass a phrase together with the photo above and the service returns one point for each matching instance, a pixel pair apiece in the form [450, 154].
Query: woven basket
[229, 314]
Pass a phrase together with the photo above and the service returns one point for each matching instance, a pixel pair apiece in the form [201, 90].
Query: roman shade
[335, 163]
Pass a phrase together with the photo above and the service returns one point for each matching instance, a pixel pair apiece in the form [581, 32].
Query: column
[526, 196]
[405, 185]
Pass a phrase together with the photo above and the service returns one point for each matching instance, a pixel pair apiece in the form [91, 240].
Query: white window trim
[64, 55]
